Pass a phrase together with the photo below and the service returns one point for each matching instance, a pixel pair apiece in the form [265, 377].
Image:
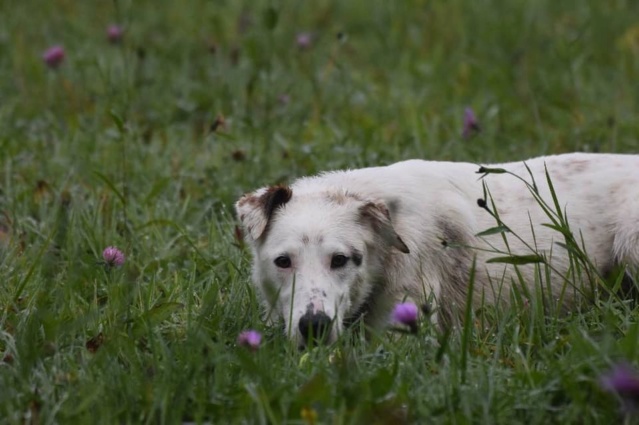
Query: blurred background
[241, 92]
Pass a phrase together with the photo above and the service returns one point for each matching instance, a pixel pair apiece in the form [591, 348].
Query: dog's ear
[256, 209]
[376, 214]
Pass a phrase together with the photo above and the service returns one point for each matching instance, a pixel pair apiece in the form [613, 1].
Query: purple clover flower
[623, 380]
[115, 33]
[304, 40]
[113, 257]
[54, 56]
[250, 339]
[284, 99]
[471, 124]
[406, 314]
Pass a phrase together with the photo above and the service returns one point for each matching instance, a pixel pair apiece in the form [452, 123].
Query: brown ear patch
[275, 197]
[256, 209]
[378, 216]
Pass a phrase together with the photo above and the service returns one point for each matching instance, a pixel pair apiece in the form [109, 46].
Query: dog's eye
[283, 262]
[338, 261]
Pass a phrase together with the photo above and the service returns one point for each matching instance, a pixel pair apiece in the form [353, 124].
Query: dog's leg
[626, 238]
[626, 247]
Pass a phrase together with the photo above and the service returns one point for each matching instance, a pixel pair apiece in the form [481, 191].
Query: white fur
[431, 207]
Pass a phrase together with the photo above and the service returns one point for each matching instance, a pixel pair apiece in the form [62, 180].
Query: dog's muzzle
[314, 326]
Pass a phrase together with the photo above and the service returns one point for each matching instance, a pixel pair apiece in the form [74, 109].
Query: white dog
[332, 248]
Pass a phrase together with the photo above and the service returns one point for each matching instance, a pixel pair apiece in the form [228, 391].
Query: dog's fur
[410, 230]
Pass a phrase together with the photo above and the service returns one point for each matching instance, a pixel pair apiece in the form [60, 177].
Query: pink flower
[471, 125]
[284, 99]
[250, 339]
[115, 33]
[406, 314]
[53, 56]
[304, 40]
[113, 257]
[623, 380]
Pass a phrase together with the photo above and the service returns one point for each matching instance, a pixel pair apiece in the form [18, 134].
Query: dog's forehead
[316, 213]
[315, 217]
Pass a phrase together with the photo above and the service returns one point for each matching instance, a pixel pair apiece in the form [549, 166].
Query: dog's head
[316, 255]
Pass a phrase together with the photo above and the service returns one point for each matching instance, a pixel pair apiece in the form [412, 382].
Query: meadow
[143, 137]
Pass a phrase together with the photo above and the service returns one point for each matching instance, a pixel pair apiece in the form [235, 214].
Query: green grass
[114, 148]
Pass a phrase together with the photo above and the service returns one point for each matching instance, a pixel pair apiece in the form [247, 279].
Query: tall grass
[146, 143]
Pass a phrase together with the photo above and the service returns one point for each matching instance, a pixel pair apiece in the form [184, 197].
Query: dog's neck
[370, 304]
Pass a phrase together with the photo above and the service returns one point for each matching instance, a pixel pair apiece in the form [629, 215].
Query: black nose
[314, 325]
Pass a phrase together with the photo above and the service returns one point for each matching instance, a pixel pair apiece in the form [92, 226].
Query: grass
[116, 147]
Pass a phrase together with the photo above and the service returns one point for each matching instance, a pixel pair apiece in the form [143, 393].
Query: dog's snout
[314, 325]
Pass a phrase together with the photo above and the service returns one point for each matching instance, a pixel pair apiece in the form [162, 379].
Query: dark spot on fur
[560, 177]
[393, 207]
[274, 198]
[305, 239]
[309, 308]
[248, 199]
[357, 258]
[615, 188]
[450, 234]
[339, 198]
[367, 305]
[324, 294]
[578, 166]
[457, 261]
[523, 200]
